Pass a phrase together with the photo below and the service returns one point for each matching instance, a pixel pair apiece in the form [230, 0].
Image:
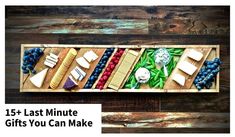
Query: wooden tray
[26, 86]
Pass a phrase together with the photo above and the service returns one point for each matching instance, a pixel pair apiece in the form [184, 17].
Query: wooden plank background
[166, 25]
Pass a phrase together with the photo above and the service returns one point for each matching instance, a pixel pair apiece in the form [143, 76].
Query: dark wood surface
[165, 120]
[166, 25]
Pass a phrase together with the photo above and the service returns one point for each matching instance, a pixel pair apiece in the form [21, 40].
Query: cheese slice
[193, 54]
[90, 56]
[187, 67]
[78, 73]
[48, 64]
[83, 63]
[51, 59]
[75, 74]
[52, 62]
[38, 79]
[179, 79]
[54, 56]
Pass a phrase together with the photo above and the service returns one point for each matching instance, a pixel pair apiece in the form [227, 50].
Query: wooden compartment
[27, 86]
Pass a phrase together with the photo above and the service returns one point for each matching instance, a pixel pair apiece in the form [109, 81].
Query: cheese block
[90, 56]
[70, 83]
[54, 56]
[78, 73]
[179, 79]
[51, 59]
[195, 55]
[187, 67]
[38, 79]
[52, 62]
[83, 63]
[48, 64]
[75, 74]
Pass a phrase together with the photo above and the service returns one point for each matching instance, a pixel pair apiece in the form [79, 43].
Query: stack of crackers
[63, 68]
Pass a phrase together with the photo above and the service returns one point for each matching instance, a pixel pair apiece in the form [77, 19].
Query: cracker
[63, 68]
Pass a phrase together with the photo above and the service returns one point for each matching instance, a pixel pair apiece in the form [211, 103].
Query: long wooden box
[26, 87]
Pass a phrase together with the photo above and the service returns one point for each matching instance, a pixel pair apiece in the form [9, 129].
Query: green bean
[153, 74]
[178, 52]
[137, 86]
[174, 64]
[171, 49]
[153, 83]
[150, 50]
[157, 85]
[156, 76]
[150, 67]
[155, 70]
[161, 74]
[143, 59]
[128, 86]
[133, 81]
[161, 83]
[151, 60]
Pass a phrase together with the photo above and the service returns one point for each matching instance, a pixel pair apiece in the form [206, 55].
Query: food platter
[111, 68]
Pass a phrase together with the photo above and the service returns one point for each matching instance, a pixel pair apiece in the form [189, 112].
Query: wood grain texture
[76, 26]
[144, 39]
[109, 101]
[165, 130]
[14, 41]
[190, 26]
[120, 12]
[191, 20]
[165, 120]
[167, 25]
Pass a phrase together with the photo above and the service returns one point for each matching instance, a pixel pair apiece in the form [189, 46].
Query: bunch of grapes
[207, 74]
[30, 58]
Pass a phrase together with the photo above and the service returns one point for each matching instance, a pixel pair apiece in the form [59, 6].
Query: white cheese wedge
[83, 63]
[187, 67]
[90, 56]
[38, 79]
[54, 56]
[179, 79]
[193, 54]
[48, 64]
